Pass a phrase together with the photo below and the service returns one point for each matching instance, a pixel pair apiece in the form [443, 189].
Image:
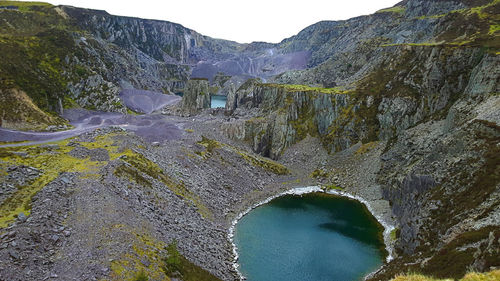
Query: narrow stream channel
[314, 236]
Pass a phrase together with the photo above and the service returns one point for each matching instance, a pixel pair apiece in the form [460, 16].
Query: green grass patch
[177, 266]
[24, 6]
[141, 276]
[366, 147]
[131, 112]
[305, 88]
[332, 187]
[131, 174]
[494, 28]
[255, 160]
[210, 146]
[395, 9]
[265, 163]
[146, 166]
[129, 265]
[431, 17]
[493, 275]
[319, 173]
[395, 234]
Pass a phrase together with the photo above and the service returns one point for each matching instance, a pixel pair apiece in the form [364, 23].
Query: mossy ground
[366, 147]
[255, 160]
[395, 9]
[131, 265]
[138, 165]
[331, 187]
[165, 261]
[306, 88]
[319, 173]
[51, 161]
[25, 5]
[493, 275]
[176, 265]
[395, 234]
[54, 159]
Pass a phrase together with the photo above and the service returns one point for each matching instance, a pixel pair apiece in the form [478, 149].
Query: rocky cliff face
[88, 55]
[66, 55]
[427, 87]
[420, 78]
[416, 83]
[196, 96]
[345, 51]
[285, 115]
[444, 188]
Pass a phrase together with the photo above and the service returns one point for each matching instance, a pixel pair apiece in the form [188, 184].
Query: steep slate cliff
[345, 51]
[90, 51]
[414, 84]
[62, 56]
[196, 96]
[399, 67]
[423, 77]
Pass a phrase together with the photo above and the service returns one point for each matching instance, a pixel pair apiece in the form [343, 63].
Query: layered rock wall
[196, 96]
[411, 84]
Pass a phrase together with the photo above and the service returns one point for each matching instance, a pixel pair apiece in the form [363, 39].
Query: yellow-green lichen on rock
[471, 276]
[255, 160]
[144, 257]
[139, 165]
[290, 88]
[51, 159]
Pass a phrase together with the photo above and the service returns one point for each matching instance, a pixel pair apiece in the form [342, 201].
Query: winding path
[152, 127]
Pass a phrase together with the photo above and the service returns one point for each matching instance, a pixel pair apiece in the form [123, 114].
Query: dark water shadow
[347, 217]
[286, 202]
[362, 234]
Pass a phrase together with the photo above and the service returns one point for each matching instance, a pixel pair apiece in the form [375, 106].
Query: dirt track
[152, 127]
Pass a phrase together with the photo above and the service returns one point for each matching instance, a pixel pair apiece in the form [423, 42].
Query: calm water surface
[310, 237]
[217, 101]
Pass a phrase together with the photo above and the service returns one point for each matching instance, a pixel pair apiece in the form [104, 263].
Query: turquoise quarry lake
[217, 101]
[314, 236]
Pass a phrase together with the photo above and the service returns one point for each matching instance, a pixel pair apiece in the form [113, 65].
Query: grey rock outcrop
[284, 116]
[413, 83]
[196, 96]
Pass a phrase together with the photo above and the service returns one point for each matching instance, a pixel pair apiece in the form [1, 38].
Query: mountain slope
[430, 99]
[405, 101]
[345, 51]
[58, 55]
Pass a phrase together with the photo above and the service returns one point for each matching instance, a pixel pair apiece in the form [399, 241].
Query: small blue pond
[310, 237]
[217, 101]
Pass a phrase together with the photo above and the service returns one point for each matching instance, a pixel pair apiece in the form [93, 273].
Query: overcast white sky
[241, 21]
